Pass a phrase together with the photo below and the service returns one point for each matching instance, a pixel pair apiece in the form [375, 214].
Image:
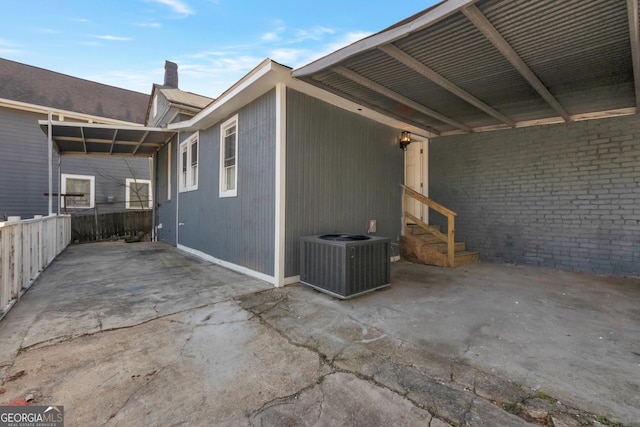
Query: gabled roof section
[186, 99]
[476, 65]
[186, 102]
[257, 82]
[51, 90]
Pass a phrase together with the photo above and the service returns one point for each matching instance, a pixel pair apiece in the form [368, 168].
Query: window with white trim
[82, 185]
[138, 194]
[189, 164]
[229, 158]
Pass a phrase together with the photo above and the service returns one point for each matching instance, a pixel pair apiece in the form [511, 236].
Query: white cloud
[83, 20]
[113, 38]
[315, 33]
[343, 41]
[177, 6]
[348, 39]
[9, 48]
[270, 36]
[211, 73]
[10, 52]
[149, 24]
[288, 56]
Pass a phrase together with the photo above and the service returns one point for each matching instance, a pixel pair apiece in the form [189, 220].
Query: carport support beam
[481, 22]
[50, 150]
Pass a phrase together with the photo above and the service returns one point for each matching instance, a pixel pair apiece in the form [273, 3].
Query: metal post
[153, 195]
[60, 182]
[50, 147]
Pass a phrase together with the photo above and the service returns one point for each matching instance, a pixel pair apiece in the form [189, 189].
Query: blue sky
[215, 42]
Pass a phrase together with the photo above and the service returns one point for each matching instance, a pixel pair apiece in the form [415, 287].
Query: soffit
[464, 66]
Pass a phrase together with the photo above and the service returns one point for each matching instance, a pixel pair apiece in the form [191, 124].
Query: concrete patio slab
[142, 334]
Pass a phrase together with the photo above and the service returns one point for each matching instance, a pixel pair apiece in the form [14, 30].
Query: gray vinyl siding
[342, 170]
[166, 209]
[561, 196]
[163, 108]
[239, 230]
[110, 175]
[24, 174]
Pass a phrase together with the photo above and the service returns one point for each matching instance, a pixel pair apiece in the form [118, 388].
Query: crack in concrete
[288, 400]
[99, 322]
[66, 338]
[331, 363]
[148, 379]
[321, 404]
[335, 369]
[467, 409]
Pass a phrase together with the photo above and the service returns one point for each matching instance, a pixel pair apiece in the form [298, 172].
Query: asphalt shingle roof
[33, 85]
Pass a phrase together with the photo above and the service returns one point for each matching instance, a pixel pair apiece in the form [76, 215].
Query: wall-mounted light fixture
[405, 139]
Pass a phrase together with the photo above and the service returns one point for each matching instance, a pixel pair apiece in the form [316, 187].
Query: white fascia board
[433, 15]
[259, 81]
[41, 109]
[356, 108]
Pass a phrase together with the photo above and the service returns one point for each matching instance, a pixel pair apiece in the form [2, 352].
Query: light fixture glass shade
[405, 139]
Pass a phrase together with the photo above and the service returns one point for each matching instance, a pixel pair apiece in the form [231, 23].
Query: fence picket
[26, 248]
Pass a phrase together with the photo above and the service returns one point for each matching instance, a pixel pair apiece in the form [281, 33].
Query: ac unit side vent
[345, 267]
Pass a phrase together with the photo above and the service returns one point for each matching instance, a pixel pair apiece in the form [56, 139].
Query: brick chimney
[171, 74]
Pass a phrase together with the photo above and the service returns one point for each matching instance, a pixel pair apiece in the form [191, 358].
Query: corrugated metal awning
[74, 138]
[475, 65]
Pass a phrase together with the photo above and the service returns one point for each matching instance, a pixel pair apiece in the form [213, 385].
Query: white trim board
[280, 184]
[227, 264]
[291, 280]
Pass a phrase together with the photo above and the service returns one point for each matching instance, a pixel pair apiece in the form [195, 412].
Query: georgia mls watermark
[31, 416]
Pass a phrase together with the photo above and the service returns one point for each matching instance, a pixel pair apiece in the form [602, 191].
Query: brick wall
[562, 196]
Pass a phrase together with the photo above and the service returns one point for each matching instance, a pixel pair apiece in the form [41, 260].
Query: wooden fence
[27, 247]
[92, 228]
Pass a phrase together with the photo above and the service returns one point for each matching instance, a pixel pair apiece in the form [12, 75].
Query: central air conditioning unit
[345, 265]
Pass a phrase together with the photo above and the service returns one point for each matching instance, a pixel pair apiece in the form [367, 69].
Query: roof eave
[43, 109]
[257, 82]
